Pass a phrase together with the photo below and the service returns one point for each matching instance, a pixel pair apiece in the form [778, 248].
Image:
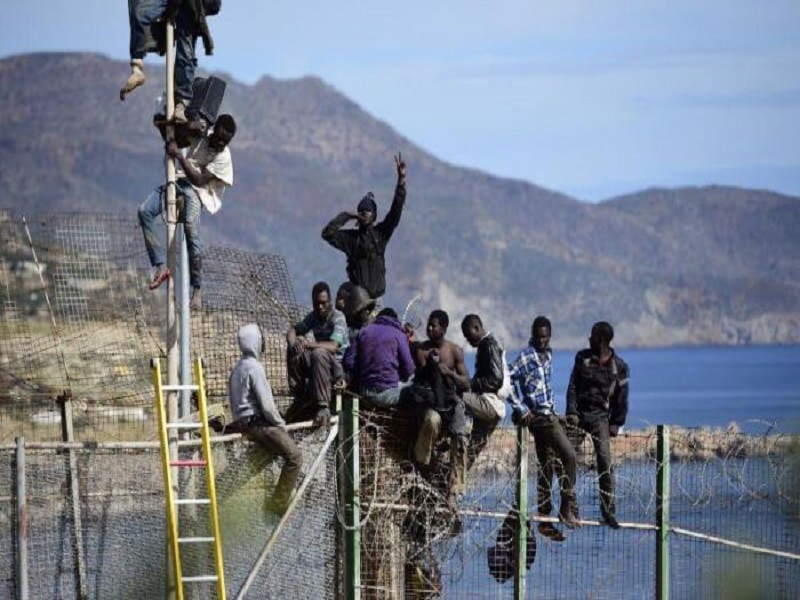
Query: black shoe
[611, 521]
[570, 519]
[550, 531]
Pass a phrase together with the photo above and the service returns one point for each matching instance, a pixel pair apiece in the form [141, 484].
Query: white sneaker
[179, 116]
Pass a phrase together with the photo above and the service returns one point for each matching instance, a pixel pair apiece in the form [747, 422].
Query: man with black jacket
[482, 402]
[365, 246]
[597, 400]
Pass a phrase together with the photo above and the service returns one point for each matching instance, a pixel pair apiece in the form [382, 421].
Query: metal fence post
[352, 498]
[22, 524]
[520, 552]
[68, 435]
[662, 513]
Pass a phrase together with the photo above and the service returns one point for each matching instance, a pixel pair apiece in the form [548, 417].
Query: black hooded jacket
[365, 247]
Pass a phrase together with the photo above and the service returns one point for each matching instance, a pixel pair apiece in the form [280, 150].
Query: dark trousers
[311, 375]
[598, 430]
[556, 456]
[277, 441]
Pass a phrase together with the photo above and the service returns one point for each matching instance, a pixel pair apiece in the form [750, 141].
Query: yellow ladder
[175, 541]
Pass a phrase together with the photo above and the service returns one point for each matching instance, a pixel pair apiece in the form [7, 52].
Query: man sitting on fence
[315, 365]
[435, 400]
[534, 408]
[483, 402]
[256, 415]
[379, 359]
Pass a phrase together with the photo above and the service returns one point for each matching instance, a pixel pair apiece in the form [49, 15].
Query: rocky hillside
[694, 265]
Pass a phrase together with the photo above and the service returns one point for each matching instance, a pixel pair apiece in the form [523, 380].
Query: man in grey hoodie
[256, 415]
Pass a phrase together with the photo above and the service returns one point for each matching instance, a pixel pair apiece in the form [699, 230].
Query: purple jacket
[379, 358]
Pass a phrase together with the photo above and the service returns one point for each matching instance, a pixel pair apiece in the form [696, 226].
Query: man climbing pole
[189, 17]
[204, 173]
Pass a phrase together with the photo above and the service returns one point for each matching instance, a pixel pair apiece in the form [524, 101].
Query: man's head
[437, 325]
[224, 130]
[342, 294]
[601, 336]
[540, 333]
[321, 299]
[358, 307]
[388, 312]
[472, 328]
[367, 210]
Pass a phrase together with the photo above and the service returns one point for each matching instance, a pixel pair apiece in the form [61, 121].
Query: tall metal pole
[521, 541]
[662, 513]
[352, 498]
[22, 524]
[172, 323]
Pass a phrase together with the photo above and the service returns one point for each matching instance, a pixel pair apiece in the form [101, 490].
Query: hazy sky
[592, 98]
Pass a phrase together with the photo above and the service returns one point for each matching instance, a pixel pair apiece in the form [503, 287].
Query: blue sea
[753, 386]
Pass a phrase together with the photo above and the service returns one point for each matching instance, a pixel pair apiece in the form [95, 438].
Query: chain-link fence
[734, 504]
[75, 314]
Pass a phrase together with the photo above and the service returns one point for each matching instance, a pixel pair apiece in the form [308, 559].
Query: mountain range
[699, 265]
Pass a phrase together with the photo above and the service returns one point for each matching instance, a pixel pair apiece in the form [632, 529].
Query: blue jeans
[387, 398]
[142, 14]
[149, 211]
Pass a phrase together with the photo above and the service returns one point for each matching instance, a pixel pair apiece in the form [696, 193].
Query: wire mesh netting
[414, 546]
[76, 314]
[123, 528]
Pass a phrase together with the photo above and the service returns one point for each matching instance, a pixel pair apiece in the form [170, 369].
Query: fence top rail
[144, 445]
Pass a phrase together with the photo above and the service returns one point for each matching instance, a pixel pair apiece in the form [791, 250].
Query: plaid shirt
[531, 375]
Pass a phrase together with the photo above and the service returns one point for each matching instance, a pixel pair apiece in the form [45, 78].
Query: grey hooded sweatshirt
[249, 390]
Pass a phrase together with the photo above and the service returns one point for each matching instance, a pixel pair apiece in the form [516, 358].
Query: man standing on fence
[597, 400]
[534, 408]
[256, 415]
[365, 246]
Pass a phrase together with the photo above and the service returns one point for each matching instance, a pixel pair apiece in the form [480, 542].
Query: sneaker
[323, 418]
[550, 531]
[611, 521]
[135, 79]
[160, 275]
[179, 116]
[197, 300]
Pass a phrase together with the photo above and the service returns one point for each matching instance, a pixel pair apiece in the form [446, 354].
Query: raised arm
[392, 220]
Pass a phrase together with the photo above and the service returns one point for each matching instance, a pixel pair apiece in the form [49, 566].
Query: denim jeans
[142, 14]
[149, 211]
[386, 398]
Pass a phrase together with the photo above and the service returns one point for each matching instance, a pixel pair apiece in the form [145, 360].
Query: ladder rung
[179, 388]
[193, 501]
[184, 425]
[199, 578]
[187, 463]
[195, 540]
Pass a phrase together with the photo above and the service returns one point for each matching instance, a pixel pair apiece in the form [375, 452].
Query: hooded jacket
[380, 357]
[365, 247]
[250, 393]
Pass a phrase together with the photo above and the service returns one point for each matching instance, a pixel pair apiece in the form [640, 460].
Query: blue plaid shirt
[531, 376]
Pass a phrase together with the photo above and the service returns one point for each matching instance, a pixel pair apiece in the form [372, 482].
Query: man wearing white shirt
[203, 175]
